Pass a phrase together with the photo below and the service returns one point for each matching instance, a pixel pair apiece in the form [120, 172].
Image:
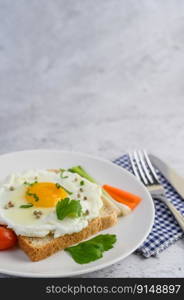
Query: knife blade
[176, 180]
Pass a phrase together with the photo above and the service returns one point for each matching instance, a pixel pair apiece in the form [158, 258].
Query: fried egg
[28, 202]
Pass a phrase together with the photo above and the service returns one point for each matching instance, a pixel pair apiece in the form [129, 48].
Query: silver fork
[145, 172]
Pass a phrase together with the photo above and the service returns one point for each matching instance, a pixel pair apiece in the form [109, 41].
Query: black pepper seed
[37, 213]
[81, 190]
[87, 212]
[11, 188]
[85, 198]
[9, 205]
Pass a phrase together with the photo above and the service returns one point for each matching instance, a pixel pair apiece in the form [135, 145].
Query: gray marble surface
[100, 77]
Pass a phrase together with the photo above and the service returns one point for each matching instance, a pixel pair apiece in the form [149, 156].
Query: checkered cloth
[165, 230]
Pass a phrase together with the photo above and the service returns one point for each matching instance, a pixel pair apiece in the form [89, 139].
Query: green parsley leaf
[59, 186]
[82, 182]
[63, 177]
[61, 174]
[68, 208]
[30, 184]
[26, 205]
[106, 239]
[93, 249]
[35, 196]
[80, 170]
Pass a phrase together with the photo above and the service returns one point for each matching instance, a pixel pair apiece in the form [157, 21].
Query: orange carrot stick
[122, 196]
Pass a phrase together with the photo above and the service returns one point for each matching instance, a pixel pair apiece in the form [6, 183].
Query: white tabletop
[100, 77]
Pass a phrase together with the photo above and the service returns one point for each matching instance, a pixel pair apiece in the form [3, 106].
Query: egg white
[23, 221]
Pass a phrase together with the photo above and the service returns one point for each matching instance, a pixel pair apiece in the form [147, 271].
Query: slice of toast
[40, 248]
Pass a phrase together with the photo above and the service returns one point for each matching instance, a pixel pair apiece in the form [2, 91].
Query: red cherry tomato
[8, 238]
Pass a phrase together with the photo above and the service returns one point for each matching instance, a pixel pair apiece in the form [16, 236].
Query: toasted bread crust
[36, 253]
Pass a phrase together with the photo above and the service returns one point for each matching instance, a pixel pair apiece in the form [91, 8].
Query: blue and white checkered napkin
[165, 230]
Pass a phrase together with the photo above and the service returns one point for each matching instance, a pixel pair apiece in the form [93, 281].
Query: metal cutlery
[175, 179]
[145, 172]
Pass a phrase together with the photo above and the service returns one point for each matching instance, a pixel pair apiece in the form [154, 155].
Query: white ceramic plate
[131, 230]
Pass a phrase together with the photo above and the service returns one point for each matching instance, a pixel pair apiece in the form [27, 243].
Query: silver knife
[176, 180]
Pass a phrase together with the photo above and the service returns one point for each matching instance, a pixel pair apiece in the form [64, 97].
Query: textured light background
[100, 77]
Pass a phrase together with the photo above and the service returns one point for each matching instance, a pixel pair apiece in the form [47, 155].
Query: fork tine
[140, 169]
[152, 170]
[134, 166]
[142, 161]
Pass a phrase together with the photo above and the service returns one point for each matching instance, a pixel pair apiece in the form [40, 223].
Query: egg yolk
[45, 194]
